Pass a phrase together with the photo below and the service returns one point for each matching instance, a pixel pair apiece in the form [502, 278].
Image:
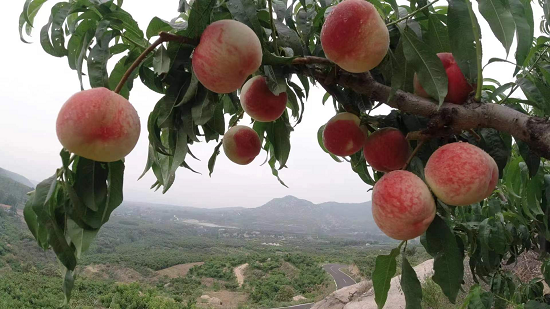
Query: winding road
[340, 279]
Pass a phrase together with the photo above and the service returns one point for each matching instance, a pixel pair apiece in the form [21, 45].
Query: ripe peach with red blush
[98, 124]
[354, 36]
[228, 52]
[241, 144]
[386, 150]
[458, 87]
[259, 102]
[402, 205]
[461, 174]
[343, 135]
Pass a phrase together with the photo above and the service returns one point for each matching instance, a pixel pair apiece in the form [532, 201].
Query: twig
[415, 151]
[411, 14]
[529, 71]
[474, 133]
[273, 29]
[163, 37]
[477, 38]
[311, 60]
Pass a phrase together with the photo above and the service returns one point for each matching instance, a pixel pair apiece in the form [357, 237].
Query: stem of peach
[415, 151]
[163, 37]
[474, 133]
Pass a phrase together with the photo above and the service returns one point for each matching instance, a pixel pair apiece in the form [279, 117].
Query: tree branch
[449, 118]
[163, 37]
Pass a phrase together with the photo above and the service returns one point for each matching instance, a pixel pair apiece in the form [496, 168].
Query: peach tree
[475, 188]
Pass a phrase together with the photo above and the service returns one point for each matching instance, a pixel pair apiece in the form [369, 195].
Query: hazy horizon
[37, 84]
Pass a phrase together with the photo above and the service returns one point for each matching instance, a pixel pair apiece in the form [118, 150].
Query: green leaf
[499, 91]
[410, 285]
[55, 46]
[90, 184]
[68, 285]
[274, 171]
[495, 146]
[157, 25]
[30, 9]
[115, 181]
[79, 42]
[149, 79]
[523, 18]
[477, 299]
[276, 85]
[531, 159]
[437, 37]
[384, 270]
[440, 242]
[500, 20]
[533, 304]
[460, 25]
[80, 238]
[128, 23]
[180, 152]
[279, 137]
[199, 17]
[359, 166]
[31, 219]
[97, 60]
[161, 61]
[203, 111]
[428, 66]
[212, 160]
[287, 37]
[536, 92]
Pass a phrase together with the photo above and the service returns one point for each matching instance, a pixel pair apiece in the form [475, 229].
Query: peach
[402, 205]
[228, 52]
[386, 150]
[241, 144]
[354, 36]
[343, 135]
[458, 88]
[98, 124]
[461, 174]
[259, 102]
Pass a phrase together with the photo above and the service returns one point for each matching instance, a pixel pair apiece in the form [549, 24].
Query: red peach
[461, 174]
[259, 102]
[228, 52]
[354, 36]
[241, 144]
[98, 124]
[386, 150]
[343, 135]
[402, 205]
[458, 88]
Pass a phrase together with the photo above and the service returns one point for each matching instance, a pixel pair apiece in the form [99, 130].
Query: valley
[166, 256]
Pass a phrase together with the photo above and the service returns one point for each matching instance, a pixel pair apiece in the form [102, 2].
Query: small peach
[241, 144]
[343, 135]
[259, 102]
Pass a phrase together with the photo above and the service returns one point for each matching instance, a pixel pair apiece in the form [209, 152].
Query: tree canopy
[66, 210]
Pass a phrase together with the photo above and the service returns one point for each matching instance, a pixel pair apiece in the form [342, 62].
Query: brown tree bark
[449, 118]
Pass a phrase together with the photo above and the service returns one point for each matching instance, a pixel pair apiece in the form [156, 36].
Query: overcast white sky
[35, 85]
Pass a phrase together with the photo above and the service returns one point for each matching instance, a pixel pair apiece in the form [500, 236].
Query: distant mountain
[16, 177]
[287, 214]
[13, 188]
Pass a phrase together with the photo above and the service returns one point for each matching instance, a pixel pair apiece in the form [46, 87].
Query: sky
[34, 86]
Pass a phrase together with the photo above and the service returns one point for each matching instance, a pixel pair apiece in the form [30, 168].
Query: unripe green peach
[241, 144]
[343, 135]
[461, 174]
[386, 150]
[228, 52]
[354, 36]
[98, 124]
[402, 205]
[259, 102]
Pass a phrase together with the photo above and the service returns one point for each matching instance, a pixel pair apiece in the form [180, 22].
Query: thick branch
[534, 131]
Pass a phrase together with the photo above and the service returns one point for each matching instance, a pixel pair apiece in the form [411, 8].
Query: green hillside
[12, 192]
